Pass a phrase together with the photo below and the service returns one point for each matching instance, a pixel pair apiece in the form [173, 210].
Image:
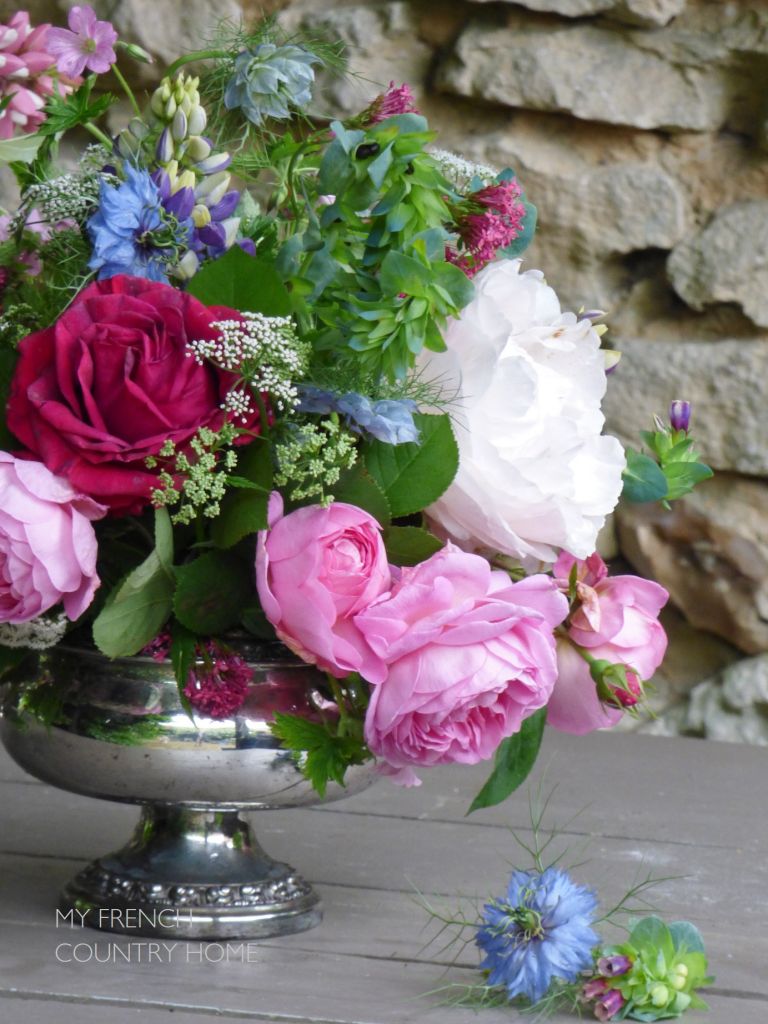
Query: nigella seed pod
[366, 150]
[680, 414]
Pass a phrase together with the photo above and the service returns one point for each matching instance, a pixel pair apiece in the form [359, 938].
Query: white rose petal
[535, 474]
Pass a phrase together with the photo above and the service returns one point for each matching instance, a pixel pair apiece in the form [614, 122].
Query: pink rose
[316, 568]
[616, 621]
[469, 655]
[47, 544]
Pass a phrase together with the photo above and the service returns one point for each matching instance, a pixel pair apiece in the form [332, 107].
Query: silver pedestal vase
[192, 869]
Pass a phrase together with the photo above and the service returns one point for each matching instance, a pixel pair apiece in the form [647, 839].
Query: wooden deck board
[683, 808]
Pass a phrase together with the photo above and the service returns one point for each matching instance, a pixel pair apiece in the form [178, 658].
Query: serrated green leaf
[212, 591]
[643, 478]
[413, 475]
[357, 487]
[242, 282]
[409, 545]
[513, 762]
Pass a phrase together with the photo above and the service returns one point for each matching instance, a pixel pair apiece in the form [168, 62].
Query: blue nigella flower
[132, 232]
[388, 419]
[268, 80]
[539, 931]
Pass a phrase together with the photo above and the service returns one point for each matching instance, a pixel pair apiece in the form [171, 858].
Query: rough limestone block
[627, 77]
[726, 261]
[727, 381]
[635, 12]
[711, 553]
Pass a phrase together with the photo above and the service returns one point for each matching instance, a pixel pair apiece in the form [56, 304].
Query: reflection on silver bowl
[192, 868]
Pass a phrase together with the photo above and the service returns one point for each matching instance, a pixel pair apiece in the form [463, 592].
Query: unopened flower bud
[179, 125]
[157, 103]
[185, 180]
[680, 414]
[681, 969]
[197, 120]
[188, 266]
[201, 216]
[138, 128]
[198, 148]
[613, 966]
[137, 52]
[212, 189]
[164, 147]
[215, 162]
[677, 981]
[659, 995]
[170, 108]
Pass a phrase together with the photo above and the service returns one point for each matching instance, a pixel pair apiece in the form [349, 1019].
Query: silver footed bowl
[193, 869]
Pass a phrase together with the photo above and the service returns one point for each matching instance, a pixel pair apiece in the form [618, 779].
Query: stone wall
[640, 130]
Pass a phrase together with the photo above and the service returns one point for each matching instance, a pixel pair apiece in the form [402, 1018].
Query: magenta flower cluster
[494, 221]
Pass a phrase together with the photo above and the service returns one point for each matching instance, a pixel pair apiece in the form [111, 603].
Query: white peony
[535, 474]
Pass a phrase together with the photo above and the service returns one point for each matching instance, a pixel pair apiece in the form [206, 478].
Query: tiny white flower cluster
[265, 354]
[459, 171]
[70, 196]
[37, 634]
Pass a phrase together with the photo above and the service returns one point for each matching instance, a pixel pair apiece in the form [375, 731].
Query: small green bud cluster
[312, 458]
[69, 197]
[264, 352]
[196, 480]
[461, 172]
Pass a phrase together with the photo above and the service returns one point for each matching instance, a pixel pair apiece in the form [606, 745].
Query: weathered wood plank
[278, 984]
[52, 1010]
[363, 923]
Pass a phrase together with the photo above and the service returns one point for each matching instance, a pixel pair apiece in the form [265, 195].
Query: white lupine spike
[170, 108]
[179, 125]
[231, 226]
[210, 186]
[197, 120]
[188, 266]
[198, 148]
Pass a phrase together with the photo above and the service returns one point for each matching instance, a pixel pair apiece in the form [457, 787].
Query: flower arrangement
[273, 373]
[541, 950]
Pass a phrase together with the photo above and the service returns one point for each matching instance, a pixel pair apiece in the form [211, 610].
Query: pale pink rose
[469, 656]
[616, 621]
[316, 568]
[47, 544]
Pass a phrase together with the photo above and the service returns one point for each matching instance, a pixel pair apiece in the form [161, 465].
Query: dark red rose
[103, 388]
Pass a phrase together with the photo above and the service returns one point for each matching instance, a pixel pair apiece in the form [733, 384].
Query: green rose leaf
[413, 475]
[244, 510]
[643, 478]
[357, 487]
[139, 606]
[515, 757]
[241, 282]
[409, 545]
[212, 591]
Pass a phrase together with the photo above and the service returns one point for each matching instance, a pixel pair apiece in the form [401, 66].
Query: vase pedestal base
[191, 874]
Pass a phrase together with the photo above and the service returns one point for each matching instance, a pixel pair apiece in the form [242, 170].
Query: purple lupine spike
[164, 146]
[225, 206]
[163, 183]
[680, 414]
[214, 163]
[212, 234]
[247, 245]
[181, 203]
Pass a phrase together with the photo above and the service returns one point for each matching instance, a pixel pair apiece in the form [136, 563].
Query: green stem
[126, 89]
[188, 58]
[338, 696]
[97, 133]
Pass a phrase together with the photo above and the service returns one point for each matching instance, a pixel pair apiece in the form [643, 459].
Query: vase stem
[190, 873]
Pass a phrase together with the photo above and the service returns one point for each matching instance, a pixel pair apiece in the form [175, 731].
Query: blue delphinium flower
[388, 419]
[132, 232]
[539, 931]
[268, 80]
